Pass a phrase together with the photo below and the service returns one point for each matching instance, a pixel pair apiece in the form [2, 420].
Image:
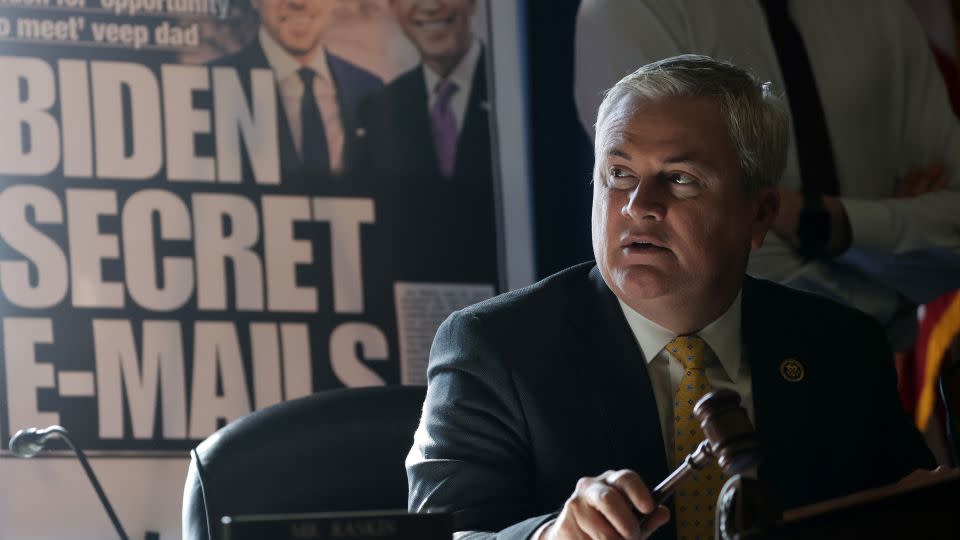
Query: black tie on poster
[313, 149]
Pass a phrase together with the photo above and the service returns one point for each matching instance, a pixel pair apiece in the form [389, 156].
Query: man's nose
[646, 201]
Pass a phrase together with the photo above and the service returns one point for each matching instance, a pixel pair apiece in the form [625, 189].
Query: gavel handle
[695, 461]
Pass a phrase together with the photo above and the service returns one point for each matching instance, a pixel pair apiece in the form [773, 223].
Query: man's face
[440, 29]
[672, 224]
[297, 25]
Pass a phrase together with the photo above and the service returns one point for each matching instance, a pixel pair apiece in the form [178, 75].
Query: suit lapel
[473, 145]
[615, 376]
[782, 404]
[420, 140]
[347, 100]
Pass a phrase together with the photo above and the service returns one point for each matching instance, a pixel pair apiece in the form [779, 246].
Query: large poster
[211, 206]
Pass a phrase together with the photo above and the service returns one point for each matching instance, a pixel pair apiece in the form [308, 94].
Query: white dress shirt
[886, 110]
[463, 76]
[723, 362]
[291, 87]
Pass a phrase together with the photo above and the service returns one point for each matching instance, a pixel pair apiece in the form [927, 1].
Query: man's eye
[619, 178]
[681, 179]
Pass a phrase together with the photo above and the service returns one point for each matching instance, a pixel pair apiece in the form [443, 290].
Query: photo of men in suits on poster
[319, 92]
[387, 99]
[408, 99]
[207, 208]
[293, 197]
[431, 121]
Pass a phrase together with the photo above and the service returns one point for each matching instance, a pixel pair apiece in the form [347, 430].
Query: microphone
[26, 443]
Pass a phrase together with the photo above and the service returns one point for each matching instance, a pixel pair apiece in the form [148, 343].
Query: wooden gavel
[730, 439]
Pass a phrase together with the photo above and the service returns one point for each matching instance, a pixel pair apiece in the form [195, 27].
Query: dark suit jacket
[353, 84]
[397, 140]
[445, 228]
[536, 388]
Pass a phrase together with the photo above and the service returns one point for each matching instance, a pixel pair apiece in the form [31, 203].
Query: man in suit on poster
[432, 121]
[319, 93]
[425, 148]
[596, 368]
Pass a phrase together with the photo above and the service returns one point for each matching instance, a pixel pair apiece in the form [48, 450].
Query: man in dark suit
[318, 93]
[432, 121]
[425, 148]
[596, 368]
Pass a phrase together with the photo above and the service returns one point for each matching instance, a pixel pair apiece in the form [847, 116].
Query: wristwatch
[813, 227]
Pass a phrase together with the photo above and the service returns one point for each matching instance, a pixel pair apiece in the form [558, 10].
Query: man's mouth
[435, 24]
[644, 246]
[298, 19]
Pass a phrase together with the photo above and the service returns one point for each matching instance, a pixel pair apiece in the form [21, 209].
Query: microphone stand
[93, 479]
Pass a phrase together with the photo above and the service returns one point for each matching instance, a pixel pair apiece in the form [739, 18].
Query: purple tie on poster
[444, 126]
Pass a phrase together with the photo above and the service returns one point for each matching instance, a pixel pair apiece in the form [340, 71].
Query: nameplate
[374, 525]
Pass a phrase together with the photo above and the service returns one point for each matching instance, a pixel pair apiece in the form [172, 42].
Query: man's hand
[785, 225]
[603, 507]
[922, 180]
[916, 182]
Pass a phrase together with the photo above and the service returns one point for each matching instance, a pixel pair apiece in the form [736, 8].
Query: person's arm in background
[910, 240]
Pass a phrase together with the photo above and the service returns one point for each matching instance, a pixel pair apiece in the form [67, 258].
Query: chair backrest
[338, 450]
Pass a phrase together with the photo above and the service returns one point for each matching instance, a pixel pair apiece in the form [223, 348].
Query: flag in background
[939, 321]
[939, 326]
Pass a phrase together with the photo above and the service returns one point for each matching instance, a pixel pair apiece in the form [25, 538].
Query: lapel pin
[792, 370]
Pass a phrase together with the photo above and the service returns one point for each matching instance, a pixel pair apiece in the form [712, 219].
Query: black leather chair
[338, 450]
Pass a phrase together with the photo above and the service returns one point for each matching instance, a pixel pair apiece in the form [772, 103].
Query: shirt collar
[722, 335]
[284, 65]
[462, 74]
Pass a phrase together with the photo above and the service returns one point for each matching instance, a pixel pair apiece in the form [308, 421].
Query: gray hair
[756, 117]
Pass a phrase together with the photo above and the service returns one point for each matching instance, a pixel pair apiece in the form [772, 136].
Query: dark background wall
[562, 155]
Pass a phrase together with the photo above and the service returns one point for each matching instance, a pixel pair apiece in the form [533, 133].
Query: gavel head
[728, 431]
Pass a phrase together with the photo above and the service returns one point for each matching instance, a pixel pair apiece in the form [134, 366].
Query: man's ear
[765, 204]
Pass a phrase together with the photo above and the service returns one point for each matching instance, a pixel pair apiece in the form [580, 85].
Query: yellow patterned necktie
[696, 497]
